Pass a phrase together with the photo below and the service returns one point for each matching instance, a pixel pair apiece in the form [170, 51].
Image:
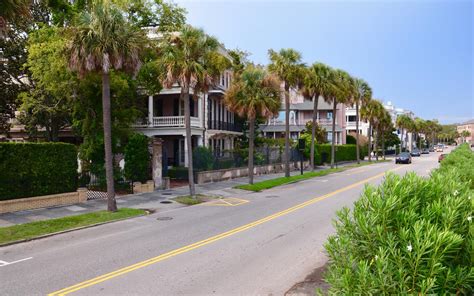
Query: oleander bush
[410, 235]
[34, 169]
[462, 161]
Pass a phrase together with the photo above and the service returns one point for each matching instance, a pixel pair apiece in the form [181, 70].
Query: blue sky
[416, 54]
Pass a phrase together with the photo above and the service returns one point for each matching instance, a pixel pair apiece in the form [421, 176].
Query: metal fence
[97, 186]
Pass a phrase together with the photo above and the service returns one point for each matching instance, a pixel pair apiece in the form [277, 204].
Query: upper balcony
[168, 122]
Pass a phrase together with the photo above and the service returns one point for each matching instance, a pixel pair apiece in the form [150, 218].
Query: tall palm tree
[339, 93]
[286, 64]
[403, 122]
[316, 83]
[254, 93]
[192, 60]
[384, 126]
[362, 95]
[101, 41]
[371, 112]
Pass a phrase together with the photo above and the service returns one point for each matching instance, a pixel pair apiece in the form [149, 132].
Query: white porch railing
[173, 121]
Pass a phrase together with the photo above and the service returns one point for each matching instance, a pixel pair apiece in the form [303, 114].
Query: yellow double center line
[202, 243]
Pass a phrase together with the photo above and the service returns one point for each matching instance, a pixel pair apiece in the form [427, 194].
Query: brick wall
[52, 200]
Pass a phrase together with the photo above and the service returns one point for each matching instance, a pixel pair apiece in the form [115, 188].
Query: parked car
[432, 149]
[439, 148]
[441, 157]
[425, 151]
[403, 157]
[415, 152]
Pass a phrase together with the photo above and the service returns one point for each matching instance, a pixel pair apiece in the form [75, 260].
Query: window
[329, 115]
[329, 136]
[351, 118]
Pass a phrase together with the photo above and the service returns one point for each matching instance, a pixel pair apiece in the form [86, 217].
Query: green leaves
[411, 235]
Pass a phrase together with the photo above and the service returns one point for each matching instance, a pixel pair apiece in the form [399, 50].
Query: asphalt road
[263, 244]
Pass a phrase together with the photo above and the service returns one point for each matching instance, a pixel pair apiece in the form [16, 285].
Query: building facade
[351, 122]
[212, 124]
[407, 141]
[466, 126]
[301, 112]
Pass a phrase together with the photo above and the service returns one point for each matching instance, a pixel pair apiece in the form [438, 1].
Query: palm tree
[286, 65]
[362, 95]
[419, 127]
[384, 126]
[464, 135]
[403, 122]
[371, 112]
[340, 92]
[316, 83]
[254, 93]
[191, 60]
[102, 41]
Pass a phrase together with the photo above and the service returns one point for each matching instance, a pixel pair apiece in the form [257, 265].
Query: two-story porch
[212, 124]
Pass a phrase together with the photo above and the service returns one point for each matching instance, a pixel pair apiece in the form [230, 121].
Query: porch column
[150, 110]
[186, 160]
[157, 162]
[200, 111]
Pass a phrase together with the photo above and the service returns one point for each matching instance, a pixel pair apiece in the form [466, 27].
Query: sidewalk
[153, 200]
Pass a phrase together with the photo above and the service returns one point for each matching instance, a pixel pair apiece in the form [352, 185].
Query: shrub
[202, 159]
[411, 235]
[322, 153]
[461, 160]
[34, 169]
[137, 158]
[179, 173]
[350, 140]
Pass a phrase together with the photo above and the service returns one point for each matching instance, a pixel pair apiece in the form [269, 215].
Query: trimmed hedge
[137, 159]
[343, 153]
[34, 169]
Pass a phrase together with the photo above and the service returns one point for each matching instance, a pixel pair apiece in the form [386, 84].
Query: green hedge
[343, 153]
[137, 159]
[409, 236]
[178, 173]
[34, 169]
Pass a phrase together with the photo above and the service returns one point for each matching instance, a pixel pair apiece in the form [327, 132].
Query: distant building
[351, 122]
[466, 126]
[394, 112]
[301, 112]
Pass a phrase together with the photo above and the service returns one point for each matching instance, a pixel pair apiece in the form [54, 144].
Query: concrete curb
[147, 212]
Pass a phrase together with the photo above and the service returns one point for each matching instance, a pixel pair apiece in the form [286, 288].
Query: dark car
[415, 152]
[441, 157]
[425, 151]
[403, 157]
[432, 149]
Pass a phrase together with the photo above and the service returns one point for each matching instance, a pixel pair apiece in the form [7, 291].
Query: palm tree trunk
[333, 142]
[313, 129]
[357, 132]
[251, 144]
[109, 168]
[287, 130]
[189, 141]
[369, 148]
[376, 147]
[383, 146]
[401, 149]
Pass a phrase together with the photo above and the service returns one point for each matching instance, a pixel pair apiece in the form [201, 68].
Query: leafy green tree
[286, 64]
[48, 103]
[316, 83]
[14, 77]
[253, 93]
[190, 59]
[101, 41]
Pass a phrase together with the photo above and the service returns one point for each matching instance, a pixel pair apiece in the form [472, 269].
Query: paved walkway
[158, 200]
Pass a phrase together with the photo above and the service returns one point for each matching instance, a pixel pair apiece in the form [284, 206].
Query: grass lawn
[38, 228]
[188, 200]
[259, 186]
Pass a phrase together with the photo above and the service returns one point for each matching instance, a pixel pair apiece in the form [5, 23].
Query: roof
[468, 122]
[308, 105]
[293, 128]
